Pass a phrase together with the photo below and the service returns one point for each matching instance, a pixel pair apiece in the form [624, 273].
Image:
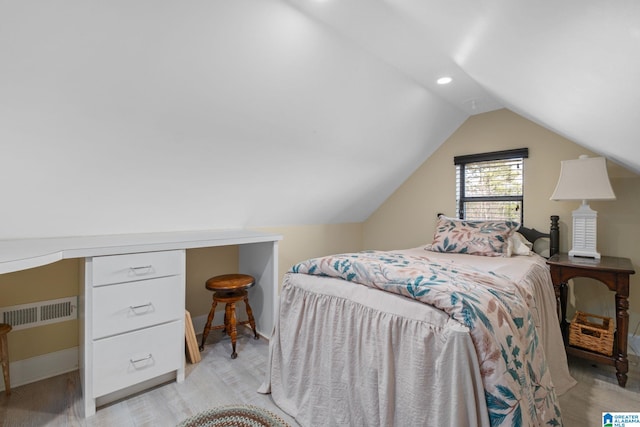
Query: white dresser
[132, 300]
[132, 323]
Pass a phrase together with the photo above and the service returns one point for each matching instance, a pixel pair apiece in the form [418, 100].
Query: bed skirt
[389, 361]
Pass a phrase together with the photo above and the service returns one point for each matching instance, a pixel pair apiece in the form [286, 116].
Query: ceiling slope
[159, 115]
[148, 115]
[394, 34]
[571, 66]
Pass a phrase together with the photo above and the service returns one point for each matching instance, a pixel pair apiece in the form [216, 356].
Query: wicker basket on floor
[592, 332]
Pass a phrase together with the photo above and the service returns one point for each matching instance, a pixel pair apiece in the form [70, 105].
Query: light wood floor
[218, 380]
[597, 391]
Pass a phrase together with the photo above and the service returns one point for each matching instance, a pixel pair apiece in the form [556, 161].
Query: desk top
[22, 254]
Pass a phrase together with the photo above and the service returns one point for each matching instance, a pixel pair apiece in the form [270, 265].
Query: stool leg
[4, 356]
[207, 327]
[231, 327]
[226, 321]
[252, 321]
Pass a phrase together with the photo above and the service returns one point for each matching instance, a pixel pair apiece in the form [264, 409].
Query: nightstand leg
[622, 329]
[564, 290]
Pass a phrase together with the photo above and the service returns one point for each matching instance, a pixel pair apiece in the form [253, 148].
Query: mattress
[347, 354]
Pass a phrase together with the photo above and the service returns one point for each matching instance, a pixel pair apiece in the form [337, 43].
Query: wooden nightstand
[613, 272]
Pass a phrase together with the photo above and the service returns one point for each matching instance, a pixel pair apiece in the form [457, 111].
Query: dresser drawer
[128, 359]
[127, 268]
[128, 306]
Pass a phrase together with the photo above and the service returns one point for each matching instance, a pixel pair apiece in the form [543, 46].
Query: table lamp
[584, 179]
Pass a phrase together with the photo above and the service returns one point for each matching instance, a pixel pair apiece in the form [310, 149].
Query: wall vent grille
[40, 313]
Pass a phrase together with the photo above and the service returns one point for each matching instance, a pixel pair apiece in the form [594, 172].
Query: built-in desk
[151, 268]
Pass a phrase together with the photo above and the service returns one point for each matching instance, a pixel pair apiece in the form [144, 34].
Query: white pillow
[518, 245]
[542, 247]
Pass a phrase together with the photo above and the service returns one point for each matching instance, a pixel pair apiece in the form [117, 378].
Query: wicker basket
[592, 332]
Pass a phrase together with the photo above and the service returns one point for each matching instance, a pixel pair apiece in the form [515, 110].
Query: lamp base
[584, 232]
[584, 254]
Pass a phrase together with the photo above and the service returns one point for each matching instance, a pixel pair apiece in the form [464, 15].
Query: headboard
[531, 234]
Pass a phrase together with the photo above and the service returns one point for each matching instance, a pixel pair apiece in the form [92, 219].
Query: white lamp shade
[585, 178]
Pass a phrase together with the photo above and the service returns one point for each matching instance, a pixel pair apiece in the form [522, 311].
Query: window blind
[491, 185]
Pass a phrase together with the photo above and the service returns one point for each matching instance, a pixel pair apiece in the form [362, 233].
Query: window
[490, 185]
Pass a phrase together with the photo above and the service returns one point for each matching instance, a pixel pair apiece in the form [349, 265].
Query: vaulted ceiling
[144, 115]
[572, 66]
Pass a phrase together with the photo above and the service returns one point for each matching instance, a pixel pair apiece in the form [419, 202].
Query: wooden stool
[230, 289]
[4, 356]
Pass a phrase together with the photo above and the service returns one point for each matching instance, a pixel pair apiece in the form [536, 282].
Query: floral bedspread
[516, 381]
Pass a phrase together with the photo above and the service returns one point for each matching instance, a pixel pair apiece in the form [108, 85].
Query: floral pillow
[486, 237]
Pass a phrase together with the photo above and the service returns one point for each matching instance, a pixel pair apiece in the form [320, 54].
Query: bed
[433, 335]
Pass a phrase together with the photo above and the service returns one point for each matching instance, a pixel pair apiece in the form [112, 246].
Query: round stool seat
[230, 282]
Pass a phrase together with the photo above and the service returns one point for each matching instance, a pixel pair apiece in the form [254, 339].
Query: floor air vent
[40, 313]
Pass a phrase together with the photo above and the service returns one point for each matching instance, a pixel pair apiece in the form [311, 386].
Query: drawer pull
[135, 308]
[133, 362]
[144, 269]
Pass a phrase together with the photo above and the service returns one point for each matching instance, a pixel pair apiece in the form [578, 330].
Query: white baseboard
[41, 367]
[60, 362]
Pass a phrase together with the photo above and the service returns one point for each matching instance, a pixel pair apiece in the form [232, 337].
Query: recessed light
[444, 80]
